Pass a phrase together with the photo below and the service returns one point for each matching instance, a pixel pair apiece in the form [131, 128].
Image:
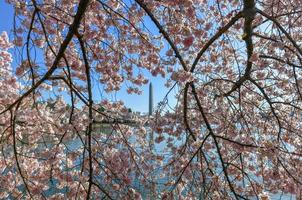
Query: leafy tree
[234, 132]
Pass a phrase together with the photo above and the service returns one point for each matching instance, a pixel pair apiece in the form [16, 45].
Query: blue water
[146, 194]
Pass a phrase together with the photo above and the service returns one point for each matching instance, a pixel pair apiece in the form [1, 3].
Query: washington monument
[150, 99]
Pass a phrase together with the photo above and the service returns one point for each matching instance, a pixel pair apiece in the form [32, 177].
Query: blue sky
[6, 16]
[135, 102]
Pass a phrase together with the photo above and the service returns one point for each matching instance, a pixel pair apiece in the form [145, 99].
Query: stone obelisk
[151, 142]
[150, 99]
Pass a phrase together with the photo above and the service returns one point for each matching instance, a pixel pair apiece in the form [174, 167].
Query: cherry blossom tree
[233, 133]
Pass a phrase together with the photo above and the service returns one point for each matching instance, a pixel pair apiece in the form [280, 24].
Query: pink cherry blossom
[187, 42]
[226, 127]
